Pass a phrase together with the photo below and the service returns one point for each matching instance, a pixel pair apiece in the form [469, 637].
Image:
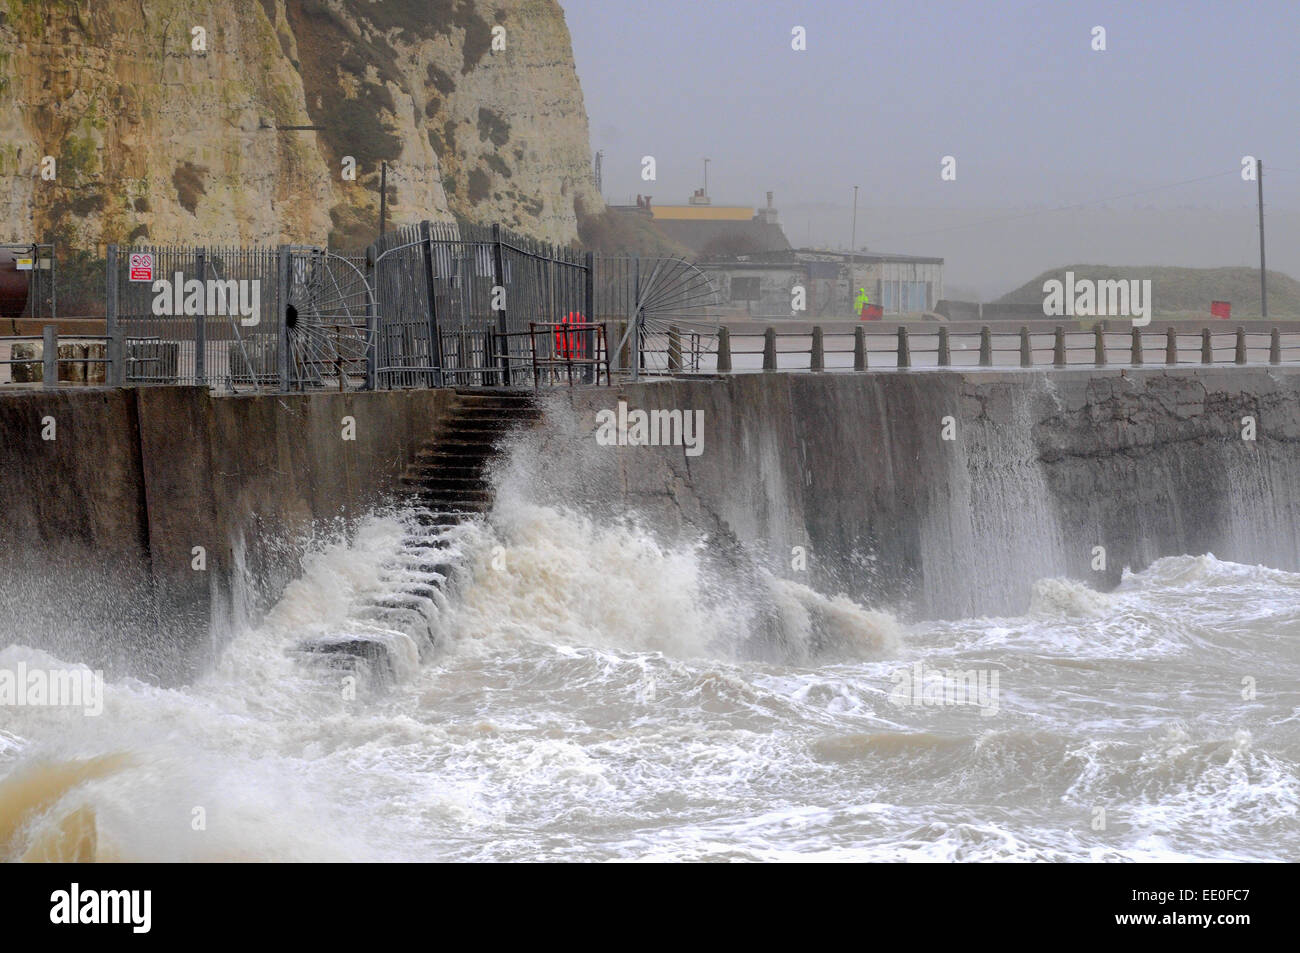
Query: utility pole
[706, 177]
[1263, 281]
[853, 243]
[383, 197]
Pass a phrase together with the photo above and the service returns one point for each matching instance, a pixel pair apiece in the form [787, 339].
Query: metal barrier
[72, 353]
[943, 347]
[455, 302]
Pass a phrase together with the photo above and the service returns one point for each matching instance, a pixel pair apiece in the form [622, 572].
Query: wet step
[445, 485]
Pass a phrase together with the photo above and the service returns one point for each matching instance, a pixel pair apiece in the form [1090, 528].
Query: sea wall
[1042, 468]
[99, 524]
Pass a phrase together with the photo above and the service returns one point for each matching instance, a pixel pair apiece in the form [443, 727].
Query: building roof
[726, 238]
[703, 213]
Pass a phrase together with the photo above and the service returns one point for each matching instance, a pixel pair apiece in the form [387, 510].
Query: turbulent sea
[593, 696]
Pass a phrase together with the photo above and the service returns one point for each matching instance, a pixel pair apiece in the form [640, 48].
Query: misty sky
[1034, 117]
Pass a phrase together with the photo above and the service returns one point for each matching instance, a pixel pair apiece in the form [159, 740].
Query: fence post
[1026, 349]
[859, 348]
[499, 279]
[904, 351]
[1136, 359]
[50, 355]
[372, 323]
[945, 351]
[724, 350]
[116, 350]
[200, 322]
[282, 296]
[1171, 346]
[1275, 347]
[1099, 346]
[769, 349]
[817, 358]
[986, 347]
[1240, 355]
[1058, 347]
[430, 289]
[1207, 352]
[589, 309]
[674, 349]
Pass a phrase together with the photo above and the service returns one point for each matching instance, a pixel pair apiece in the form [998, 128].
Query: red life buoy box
[569, 340]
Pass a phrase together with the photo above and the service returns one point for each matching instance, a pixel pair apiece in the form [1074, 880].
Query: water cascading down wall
[98, 526]
[1076, 473]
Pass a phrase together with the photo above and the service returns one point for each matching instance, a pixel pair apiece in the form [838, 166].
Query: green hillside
[1189, 291]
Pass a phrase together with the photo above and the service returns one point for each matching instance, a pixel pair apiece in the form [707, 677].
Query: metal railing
[51, 359]
[859, 349]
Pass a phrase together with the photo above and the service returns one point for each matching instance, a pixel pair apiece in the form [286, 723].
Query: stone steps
[444, 486]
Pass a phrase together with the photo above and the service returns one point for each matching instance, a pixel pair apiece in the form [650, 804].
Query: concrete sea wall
[99, 523]
[1042, 468]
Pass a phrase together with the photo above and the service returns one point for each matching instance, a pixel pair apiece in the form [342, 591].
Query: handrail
[1060, 347]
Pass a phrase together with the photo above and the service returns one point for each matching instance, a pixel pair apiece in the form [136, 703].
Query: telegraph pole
[1263, 281]
[383, 197]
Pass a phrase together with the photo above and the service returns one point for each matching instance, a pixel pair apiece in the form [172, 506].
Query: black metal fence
[454, 303]
[433, 304]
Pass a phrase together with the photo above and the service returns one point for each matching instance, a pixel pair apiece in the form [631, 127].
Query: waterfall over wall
[1044, 468]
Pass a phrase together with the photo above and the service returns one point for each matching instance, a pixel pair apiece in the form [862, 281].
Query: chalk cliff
[166, 118]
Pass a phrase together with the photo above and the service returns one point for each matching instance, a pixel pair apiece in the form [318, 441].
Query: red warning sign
[141, 267]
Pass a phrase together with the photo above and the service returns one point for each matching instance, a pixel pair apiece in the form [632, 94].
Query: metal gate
[286, 318]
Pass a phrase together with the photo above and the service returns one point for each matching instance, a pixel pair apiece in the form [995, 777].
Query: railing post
[1099, 346]
[674, 349]
[372, 325]
[282, 297]
[50, 355]
[1058, 347]
[1207, 351]
[1171, 346]
[986, 347]
[200, 320]
[1275, 347]
[1240, 355]
[724, 350]
[904, 349]
[817, 358]
[859, 349]
[1026, 350]
[769, 349]
[499, 279]
[589, 306]
[945, 351]
[431, 292]
[116, 350]
[1136, 359]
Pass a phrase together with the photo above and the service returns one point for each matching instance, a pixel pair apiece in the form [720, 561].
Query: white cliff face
[155, 140]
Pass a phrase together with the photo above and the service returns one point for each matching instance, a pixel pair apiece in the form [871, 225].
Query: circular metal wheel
[327, 320]
[675, 305]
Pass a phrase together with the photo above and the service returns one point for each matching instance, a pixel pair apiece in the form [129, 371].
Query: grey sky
[1034, 117]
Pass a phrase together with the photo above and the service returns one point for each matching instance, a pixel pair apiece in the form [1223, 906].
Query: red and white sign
[142, 267]
[1221, 309]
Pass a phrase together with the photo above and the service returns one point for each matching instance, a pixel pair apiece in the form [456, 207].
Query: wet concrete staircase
[446, 485]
